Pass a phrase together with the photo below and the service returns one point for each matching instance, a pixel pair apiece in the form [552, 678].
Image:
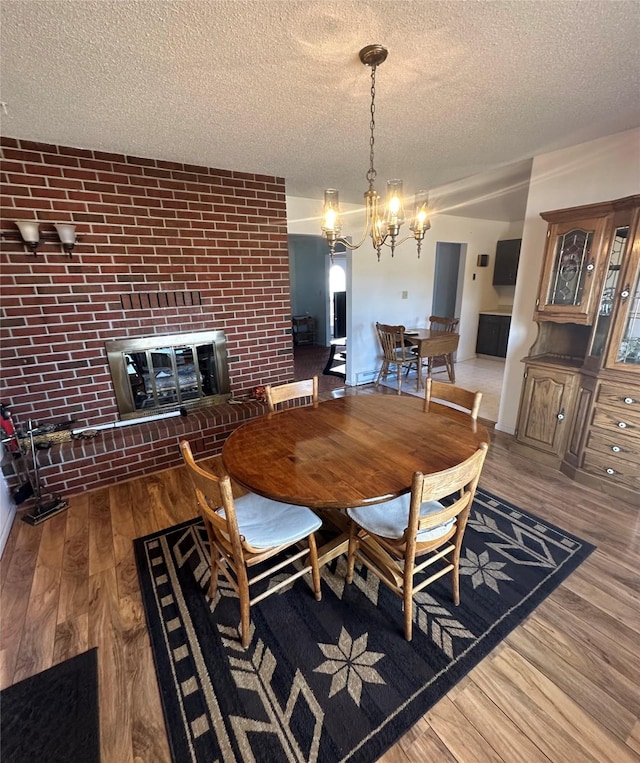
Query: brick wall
[152, 235]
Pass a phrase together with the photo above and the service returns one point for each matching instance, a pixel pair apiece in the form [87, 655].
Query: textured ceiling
[276, 86]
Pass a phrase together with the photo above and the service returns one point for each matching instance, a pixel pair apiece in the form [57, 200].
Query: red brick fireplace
[163, 248]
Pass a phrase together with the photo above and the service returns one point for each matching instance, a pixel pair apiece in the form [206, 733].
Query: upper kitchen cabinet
[505, 269]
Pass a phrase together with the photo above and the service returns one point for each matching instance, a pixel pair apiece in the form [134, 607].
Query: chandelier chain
[383, 220]
[371, 174]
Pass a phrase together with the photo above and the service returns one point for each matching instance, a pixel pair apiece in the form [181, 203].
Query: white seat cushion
[390, 519]
[266, 523]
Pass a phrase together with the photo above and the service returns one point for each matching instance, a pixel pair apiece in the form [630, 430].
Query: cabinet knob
[615, 448]
[622, 425]
[560, 416]
[629, 400]
[624, 294]
[611, 471]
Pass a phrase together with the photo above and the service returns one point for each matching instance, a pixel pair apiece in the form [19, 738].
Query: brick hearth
[131, 451]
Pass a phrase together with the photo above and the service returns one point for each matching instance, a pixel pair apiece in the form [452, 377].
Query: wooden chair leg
[215, 568]
[450, 368]
[315, 568]
[382, 373]
[351, 552]
[408, 612]
[455, 583]
[243, 595]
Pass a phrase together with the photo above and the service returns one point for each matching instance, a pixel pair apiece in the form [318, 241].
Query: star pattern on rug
[350, 665]
[482, 570]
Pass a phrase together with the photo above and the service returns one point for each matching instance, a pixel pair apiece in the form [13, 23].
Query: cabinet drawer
[613, 447]
[614, 420]
[619, 472]
[621, 397]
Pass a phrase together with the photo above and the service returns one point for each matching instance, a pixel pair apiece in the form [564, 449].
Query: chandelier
[382, 225]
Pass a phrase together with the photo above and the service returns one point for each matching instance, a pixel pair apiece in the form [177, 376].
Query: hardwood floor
[564, 686]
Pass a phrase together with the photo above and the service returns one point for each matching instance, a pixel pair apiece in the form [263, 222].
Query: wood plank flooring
[563, 687]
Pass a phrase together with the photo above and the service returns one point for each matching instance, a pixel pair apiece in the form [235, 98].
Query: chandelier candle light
[383, 229]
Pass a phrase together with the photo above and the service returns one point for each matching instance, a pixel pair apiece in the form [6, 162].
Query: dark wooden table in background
[431, 344]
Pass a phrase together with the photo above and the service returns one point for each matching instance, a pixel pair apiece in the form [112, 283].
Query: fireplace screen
[152, 374]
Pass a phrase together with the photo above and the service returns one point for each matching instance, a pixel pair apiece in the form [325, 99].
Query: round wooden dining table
[348, 451]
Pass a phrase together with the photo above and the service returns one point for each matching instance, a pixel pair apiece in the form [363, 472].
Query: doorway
[338, 297]
[474, 372]
[309, 278]
[446, 280]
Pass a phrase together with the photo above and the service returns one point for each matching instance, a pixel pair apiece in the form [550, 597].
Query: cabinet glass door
[572, 272]
[609, 291]
[627, 348]
[570, 267]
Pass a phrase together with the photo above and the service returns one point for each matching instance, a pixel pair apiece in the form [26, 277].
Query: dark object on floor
[53, 716]
[337, 363]
[44, 510]
[22, 493]
[340, 682]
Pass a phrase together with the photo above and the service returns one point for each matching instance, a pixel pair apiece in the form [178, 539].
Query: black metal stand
[43, 509]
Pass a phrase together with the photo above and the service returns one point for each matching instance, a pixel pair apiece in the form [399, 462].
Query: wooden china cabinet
[580, 405]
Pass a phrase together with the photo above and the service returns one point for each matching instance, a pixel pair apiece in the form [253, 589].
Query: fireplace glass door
[158, 373]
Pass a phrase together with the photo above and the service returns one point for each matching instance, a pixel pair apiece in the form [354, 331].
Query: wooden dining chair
[389, 538]
[443, 324]
[305, 391]
[439, 323]
[394, 353]
[452, 396]
[247, 531]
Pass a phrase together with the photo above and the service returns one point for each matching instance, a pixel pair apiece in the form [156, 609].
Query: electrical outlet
[405, 295]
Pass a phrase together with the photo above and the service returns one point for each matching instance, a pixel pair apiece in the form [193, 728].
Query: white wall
[7, 512]
[600, 170]
[376, 287]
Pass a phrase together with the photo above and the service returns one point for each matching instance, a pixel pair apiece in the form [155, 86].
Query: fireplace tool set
[21, 447]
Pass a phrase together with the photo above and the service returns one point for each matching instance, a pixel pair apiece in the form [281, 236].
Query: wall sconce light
[29, 230]
[67, 236]
[32, 238]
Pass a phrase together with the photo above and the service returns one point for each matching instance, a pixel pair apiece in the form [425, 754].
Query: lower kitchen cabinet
[493, 334]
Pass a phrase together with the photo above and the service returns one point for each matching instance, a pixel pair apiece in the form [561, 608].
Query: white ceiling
[276, 87]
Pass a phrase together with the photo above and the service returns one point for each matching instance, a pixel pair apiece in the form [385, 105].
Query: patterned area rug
[53, 716]
[333, 680]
